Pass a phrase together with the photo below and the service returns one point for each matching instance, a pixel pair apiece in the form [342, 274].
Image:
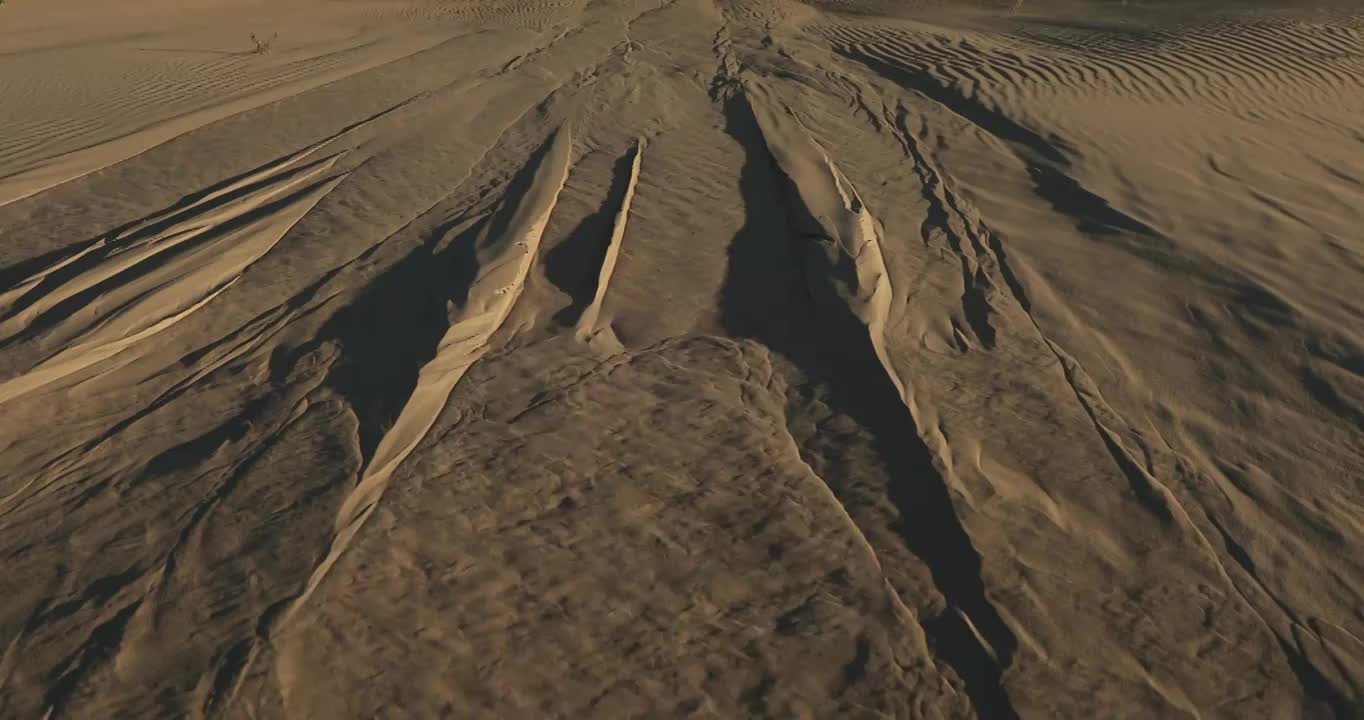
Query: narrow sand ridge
[681, 358]
[590, 327]
[187, 266]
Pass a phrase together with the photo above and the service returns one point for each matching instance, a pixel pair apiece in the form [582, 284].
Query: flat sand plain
[694, 358]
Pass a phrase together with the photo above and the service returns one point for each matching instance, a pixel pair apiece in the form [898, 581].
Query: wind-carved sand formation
[503, 262]
[681, 358]
[121, 292]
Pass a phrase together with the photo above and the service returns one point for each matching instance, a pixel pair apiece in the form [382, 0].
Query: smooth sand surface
[693, 358]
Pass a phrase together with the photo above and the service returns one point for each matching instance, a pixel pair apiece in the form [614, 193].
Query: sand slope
[681, 358]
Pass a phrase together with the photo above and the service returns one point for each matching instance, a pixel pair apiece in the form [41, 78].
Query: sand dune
[681, 358]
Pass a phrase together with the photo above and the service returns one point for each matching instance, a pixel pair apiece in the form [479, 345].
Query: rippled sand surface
[696, 358]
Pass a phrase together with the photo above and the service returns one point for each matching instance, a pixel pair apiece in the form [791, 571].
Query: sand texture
[681, 358]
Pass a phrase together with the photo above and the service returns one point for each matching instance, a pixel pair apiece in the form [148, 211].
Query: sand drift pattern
[697, 358]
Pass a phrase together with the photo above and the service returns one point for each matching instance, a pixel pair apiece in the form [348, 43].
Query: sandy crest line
[590, 329]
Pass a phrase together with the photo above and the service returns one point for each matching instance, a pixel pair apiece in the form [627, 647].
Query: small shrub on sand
[260, 46]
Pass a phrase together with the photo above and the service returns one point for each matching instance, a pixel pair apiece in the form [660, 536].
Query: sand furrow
[101, 647]
[947, 216]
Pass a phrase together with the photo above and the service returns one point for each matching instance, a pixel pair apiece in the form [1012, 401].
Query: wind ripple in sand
[1228, 67]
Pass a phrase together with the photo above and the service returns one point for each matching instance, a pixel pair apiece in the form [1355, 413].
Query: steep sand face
[698, 358]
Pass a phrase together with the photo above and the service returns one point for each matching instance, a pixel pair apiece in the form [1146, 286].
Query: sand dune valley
[681, 359]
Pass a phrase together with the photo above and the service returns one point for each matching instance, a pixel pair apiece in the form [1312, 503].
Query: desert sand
[681, 358]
